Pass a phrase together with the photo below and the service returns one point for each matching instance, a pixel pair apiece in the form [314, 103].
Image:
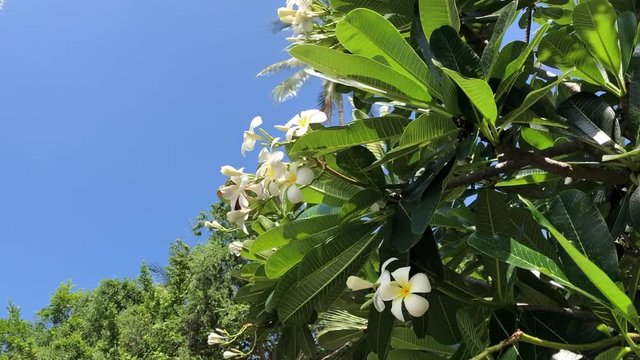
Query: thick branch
[517, 159]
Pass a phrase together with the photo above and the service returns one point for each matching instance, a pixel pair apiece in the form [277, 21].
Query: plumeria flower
[301, 4]
[271, 165]
[238, 217]
[236, 192]
[355, 283]
[300, 123]
[233, 353]
[403, 290]
[236, 247]
[214, 225]
[301, 19]
[215, 338]
[250, 137]
[292, 179]
[229, 171]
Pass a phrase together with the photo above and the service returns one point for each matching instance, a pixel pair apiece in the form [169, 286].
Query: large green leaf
[379, 331]
[573, 213]
[332, 139]
[424, 130]
[532, 98]
[321, 276]
[627, 26]
[618, 300]
[634, 99]
[478, 92]
[401, 7]
[437, 13]
[367, 33]
[595, 24]
[295, 230]
[634, 209]
[295, 340]
[505, 19]
[560, 50]
[329, 190]
[591, 115]
[453, 53]
[360, 71]
[405, 339]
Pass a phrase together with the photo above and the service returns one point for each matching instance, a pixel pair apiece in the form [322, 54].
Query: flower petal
[355, 283]
[257, 121]
[416, 305]
[378, 303]
[304, 176]
[419, 283]
[294, 194]
[396, 309]
[386, 263]
[318, 117]
[390, 291]
[384, 279]
[401, 275]
[230, 171]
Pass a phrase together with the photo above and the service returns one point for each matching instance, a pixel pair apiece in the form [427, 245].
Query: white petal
[318, 118]
[378, 303]
[230, 171]
[300, 130]
[282, 127]
[294, 121]
[390, 291]
[401, 275]
[309, 113]
[384, 279]
[290, 132]
[419, 283]
[304, 176]
[257, 121]
[294, 194]
[355, 283]
[416, 305]
[263, 155]
[383, 268]
[396, 309]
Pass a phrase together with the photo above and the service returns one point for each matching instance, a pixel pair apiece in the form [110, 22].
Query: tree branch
[516, 159]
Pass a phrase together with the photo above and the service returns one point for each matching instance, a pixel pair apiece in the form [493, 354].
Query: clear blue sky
[115, 117]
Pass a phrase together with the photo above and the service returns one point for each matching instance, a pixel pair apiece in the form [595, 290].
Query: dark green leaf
[453, 53]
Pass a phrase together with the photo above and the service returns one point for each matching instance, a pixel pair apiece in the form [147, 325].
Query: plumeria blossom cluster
[299, 15]
[274, 178]
[398, 288]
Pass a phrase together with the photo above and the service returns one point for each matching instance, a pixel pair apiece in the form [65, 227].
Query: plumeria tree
[482, 203]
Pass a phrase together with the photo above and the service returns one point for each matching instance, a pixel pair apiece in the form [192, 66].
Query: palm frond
[290, 87]
[279, 66]
[336, 320]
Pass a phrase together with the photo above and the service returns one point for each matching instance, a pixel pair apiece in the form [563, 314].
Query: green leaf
[577, 218]
[595, 24]
[379, 331]
[478, 92]
[423, 131]
[400, 7]
[437, 13]
[324, 141]
[627, 26]
[429, 201]
[334, 340]
[355, 162]
[474, 331]
[615, 353]
[362, 72]
[590, 114]
[560, 50]
[619, 301]
[453, 53]
[634, 98]
[329, 190]
[293, 231]
[294, 341]
[405, 339]
[533, 97]
[539, 139]
[321, 276]
[367, 33]
[529, 179]
[506, 55]
[505, 19]
[634, 209]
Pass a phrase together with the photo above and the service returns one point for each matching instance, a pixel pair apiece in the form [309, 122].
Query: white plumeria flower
[301, 20]
[236, 247]
[238, 217]
[214, 225]
[301, 4]
[355, 283]
[250, 137]
[236, 192]
[271, 166]
[233, 353]
[300, 123]
[215, 338]
[296, 176]
[229, 171]
[403, 290]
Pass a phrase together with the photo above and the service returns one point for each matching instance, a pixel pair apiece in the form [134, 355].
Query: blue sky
[115, 118]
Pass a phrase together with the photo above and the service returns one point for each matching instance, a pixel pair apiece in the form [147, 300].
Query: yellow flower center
[304, 121]
[293, 177]
[405, 290]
